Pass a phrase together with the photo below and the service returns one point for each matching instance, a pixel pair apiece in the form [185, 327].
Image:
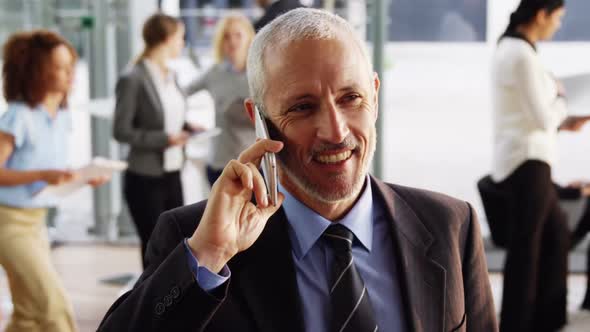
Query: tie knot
[339, 237]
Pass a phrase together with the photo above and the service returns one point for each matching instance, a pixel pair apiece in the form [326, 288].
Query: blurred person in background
[529, 110]
[272, 9]
[37, 76]
[578, 235]
[150, 117]
[227, 83]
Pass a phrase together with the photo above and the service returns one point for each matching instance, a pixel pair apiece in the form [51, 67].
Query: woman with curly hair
[37, 76]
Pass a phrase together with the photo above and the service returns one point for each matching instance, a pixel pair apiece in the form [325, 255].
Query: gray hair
[297, 24]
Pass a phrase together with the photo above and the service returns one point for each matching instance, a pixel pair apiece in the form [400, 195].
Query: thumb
[268, 211]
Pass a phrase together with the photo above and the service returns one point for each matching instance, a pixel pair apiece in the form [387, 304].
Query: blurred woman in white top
[529, 110]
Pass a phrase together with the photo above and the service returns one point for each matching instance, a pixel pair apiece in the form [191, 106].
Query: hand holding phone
[232, 222]
[269, 163]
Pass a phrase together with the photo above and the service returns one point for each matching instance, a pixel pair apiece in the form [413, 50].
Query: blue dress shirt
[40, 142]
[373, 253]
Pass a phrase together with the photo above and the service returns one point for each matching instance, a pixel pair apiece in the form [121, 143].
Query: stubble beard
[328, 194]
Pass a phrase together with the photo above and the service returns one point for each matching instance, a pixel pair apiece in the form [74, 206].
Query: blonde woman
[226, 82]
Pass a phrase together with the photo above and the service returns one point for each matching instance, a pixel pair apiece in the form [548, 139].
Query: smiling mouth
[334, 158]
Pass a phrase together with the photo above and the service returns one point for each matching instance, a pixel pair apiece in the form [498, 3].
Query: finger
[70, 175]
[259, 186]
[235, 170]
[254, 153]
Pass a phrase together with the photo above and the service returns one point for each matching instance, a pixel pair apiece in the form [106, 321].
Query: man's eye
[301, 108]
[352, 98]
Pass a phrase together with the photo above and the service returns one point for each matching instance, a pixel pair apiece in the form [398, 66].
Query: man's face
[323, 100]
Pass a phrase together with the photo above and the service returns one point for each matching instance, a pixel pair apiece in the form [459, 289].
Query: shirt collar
[156, 73]
[307, 226]
[41, 109]
[229, 67]
[518, 35]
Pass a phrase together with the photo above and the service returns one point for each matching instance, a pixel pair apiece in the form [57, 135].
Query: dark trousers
[147, 197]
[586, 302]
[578, 236]
[535, 271]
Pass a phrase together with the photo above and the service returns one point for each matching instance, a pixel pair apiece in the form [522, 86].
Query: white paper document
[577, 91]
[201, 136]
[97, 167]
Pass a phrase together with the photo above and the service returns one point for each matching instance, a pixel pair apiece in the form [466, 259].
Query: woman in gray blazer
[150, 117]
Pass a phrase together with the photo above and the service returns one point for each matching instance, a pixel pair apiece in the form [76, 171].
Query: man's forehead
[284, 45]
[309, 67]
[285, 56]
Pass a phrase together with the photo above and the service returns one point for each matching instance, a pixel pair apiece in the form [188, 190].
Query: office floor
[83, 266]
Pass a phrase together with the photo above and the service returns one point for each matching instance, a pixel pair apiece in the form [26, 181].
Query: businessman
[273, 9]
[341, 250]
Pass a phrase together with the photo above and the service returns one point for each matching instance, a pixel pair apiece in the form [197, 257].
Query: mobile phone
[269, 161]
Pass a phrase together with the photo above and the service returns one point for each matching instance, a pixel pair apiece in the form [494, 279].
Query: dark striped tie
[351, 307]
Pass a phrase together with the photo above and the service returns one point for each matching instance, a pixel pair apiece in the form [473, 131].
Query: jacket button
[175, 292]
[160, 308]
[168, 300]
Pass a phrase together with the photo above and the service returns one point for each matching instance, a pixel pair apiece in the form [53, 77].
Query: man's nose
[332, 126]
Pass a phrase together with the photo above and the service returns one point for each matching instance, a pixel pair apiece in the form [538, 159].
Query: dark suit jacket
[438, 247]
[274, 10]
[139, 121]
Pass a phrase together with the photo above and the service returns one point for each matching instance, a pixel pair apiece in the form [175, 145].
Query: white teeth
[334, 158]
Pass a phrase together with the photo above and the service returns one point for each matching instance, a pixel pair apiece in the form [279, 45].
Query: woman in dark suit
[150, 117]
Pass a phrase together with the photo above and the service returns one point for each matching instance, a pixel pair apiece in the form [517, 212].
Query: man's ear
[377, 85]
[250, 109]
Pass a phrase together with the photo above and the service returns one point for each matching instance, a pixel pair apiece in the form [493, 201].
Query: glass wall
[576, 23]
[64, 16]
[438, 20]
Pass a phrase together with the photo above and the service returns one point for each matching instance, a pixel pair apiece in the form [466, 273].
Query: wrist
[211, 257]
[39, 175]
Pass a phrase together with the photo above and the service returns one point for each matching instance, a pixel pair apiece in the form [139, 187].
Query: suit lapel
[422, 279]
[151, 90]
[265, 276]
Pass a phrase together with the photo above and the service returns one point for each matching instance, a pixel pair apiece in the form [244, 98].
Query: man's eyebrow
[302, 96]
[299, 97]
[350, 87]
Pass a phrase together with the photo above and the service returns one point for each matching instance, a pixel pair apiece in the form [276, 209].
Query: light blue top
[373, 253]
[40, 142]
